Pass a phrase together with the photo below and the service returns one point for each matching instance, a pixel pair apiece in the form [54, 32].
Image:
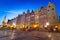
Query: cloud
[13, 13]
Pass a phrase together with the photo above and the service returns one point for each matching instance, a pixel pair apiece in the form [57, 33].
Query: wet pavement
[5, 34]
[29, 35]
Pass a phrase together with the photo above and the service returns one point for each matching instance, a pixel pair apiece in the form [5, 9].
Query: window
[48, 10]
[32, 15]
[53, 17]
[49, 6]
[52, 8]
[53, 13]
[42, 13]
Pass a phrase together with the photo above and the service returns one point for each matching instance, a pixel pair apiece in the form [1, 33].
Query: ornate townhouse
[40, 17]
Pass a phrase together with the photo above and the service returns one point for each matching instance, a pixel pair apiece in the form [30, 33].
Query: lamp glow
[47, 23]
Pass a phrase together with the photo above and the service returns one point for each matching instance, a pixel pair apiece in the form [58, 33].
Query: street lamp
[55, 26]
[23, 25]
[35, 26]
[47, 24]
[14, 25]
[54, 29]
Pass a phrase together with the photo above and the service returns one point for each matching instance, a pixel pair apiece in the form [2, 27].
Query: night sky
[11, 8]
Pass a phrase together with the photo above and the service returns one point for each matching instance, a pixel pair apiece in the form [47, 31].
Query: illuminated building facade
[28, 18]
[43, 16]
[52, 14]
[32, 18]
[40, 17]
[10, 22]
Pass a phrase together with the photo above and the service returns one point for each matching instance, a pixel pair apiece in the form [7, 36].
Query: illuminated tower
[4, 21]
[52, 14]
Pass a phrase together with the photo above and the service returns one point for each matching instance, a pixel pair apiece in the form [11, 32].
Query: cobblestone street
[29, 35]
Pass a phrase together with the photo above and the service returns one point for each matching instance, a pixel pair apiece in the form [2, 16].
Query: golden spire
[4, 21]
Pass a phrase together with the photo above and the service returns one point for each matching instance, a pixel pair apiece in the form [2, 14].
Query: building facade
[10, 22]
[52, 14]
[40, 17]
[43, 16]
[28, 18]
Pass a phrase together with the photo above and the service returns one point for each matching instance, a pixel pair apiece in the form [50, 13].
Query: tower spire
[4, 21]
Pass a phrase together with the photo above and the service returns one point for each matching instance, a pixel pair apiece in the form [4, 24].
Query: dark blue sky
[11, 8]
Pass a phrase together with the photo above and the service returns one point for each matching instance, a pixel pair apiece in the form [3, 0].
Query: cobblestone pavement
[5, 34]
[36, 35]
[29, 35]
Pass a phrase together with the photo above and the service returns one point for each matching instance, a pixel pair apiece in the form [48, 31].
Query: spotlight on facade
[46, 24]
[14, 25]
[55, 26]
[35, 25]
[23, 25]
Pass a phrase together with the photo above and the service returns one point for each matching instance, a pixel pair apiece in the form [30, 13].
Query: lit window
[32, 15]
